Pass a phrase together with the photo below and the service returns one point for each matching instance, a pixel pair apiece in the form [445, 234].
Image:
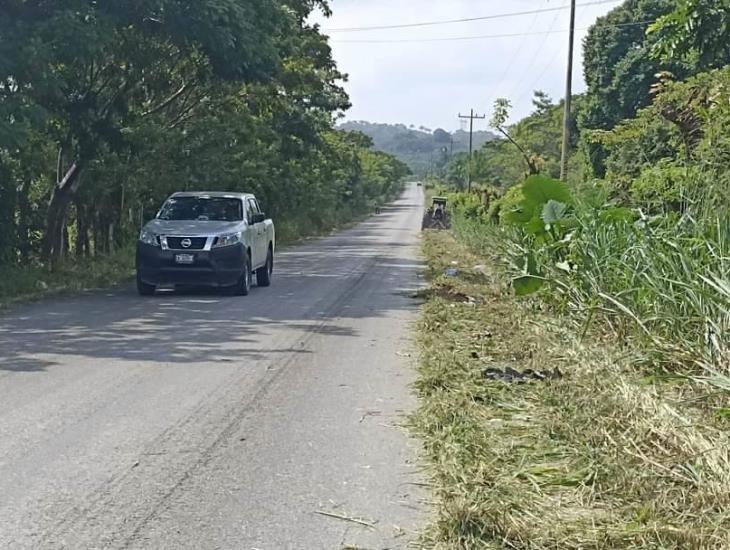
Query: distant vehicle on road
[206, 239]
[419, 183]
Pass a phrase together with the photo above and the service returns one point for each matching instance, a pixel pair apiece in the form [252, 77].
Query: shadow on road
[310, 293]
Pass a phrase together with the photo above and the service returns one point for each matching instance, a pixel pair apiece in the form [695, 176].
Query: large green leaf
[527, 284]
[544, 201]
[553, 211]
[535, 226]
[518, 216]
[538, 190]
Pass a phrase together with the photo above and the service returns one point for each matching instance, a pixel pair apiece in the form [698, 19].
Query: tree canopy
[696, 31]
[128, 101]
[618, 66]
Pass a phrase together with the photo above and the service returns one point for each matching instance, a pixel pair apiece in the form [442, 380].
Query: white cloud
[428, 83]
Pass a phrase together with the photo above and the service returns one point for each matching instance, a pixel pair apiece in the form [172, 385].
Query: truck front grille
[196, 243]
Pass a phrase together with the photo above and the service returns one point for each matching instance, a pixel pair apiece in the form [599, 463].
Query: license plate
[184, 258]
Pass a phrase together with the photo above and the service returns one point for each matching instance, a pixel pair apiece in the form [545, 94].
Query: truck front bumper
[219, 267]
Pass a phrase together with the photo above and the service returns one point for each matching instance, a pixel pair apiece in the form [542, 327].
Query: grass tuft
[610, 456]
[30, 282]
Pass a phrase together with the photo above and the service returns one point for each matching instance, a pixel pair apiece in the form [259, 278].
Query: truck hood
[193, 228]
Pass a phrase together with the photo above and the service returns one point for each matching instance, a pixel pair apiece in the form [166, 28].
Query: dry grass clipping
[607, 457]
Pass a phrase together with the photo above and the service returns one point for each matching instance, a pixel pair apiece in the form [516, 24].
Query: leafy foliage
[696, 31]
[538, 193]
[532, 145]
[646, 250]
[125, 103]
[618, 67]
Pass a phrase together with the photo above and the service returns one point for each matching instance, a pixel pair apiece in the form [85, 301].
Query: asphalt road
[201, 421]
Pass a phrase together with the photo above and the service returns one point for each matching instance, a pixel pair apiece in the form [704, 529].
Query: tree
[697, 32]
[536, 138]
[618, 67]
[441, 137]
[128, 102]
[542, 102]
[498, 120]
[99, 68]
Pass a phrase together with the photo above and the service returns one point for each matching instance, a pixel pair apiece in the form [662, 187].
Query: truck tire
[143, 289]
[244, 283]
[263, 274]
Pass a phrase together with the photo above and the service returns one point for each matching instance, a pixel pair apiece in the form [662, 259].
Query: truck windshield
[219, 209]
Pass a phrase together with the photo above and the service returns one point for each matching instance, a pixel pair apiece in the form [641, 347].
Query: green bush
[506, 204]
[666, 186]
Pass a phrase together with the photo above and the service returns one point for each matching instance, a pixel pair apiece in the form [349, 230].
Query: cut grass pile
[21, 283]
[608, 456]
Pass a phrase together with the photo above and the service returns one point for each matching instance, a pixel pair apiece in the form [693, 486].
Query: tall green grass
[664, 281]
[671, 282]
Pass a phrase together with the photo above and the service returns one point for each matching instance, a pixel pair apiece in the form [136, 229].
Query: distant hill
[421, 148]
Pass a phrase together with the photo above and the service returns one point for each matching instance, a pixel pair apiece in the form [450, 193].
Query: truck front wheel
[143, 289]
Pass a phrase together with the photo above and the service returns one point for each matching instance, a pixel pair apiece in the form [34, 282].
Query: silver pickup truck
[208, 239]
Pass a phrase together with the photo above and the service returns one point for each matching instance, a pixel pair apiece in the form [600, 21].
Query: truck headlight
[147, 237]
[227, 240]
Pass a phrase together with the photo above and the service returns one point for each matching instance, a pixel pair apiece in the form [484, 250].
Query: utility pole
[471, 118]
[568, 97]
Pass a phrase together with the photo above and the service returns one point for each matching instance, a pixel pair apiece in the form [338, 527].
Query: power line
[538, 52]
[529, 90]
[516, 54]
[477, 37]
[466, 19]
[547, 66]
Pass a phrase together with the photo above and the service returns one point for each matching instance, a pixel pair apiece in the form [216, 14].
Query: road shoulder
[535, 439]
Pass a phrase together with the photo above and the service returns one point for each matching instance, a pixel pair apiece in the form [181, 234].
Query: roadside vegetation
[22, 283]
[613, 454]
[123, 105]
[619, 278]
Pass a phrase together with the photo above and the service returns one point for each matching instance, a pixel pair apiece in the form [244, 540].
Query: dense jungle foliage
[639, 235]
[107, 107]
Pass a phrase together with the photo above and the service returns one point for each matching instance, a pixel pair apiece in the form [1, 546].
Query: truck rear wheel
[244, 283]
[263, 274]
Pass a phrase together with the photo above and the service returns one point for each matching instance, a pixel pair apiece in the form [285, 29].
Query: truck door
[259, 235]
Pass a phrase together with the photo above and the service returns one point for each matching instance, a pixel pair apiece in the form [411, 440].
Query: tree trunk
[24, 212]
[55, 222]
[66, 241]
[97, 234]
[63, 194]
[8, 229]
[82, 230]
[531, 167]
[86, 244]
[102, 245]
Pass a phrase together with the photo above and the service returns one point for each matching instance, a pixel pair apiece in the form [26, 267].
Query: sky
[430, 83]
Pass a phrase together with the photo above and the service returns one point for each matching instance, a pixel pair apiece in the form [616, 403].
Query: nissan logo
[186, 243]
